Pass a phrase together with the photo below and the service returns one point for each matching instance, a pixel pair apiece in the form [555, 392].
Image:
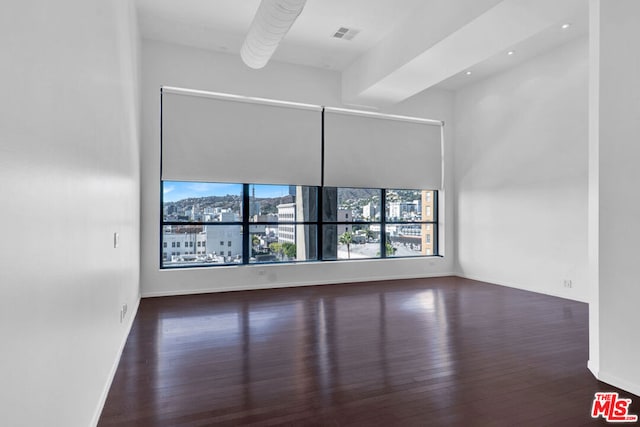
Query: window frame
[383, 222]
[245, 225]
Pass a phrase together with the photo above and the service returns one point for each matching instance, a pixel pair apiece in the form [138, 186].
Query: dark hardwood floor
[442, 351]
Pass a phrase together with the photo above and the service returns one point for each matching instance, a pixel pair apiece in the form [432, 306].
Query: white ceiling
[404, 46]
[222, 25]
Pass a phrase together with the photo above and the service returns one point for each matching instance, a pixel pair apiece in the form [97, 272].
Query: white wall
[173, 65]
[521, 175]
[69, 153]
[614, 228]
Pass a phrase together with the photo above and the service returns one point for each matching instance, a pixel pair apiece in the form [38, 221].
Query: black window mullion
[319, 200]
[246, 239]
[383, 223]
[161, 254]
[436, 241]
[319, 225]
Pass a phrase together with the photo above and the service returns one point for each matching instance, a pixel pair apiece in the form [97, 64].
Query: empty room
[319, 212]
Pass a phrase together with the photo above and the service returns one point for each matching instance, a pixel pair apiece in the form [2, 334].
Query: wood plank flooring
[440, 351]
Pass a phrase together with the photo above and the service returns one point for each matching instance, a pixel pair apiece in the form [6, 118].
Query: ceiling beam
[394, 71]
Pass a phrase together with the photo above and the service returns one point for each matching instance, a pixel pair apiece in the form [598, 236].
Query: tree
[389, 249]
[290, 250]
[255, 240]
[276, 248]
[345, 239]
[369, 234]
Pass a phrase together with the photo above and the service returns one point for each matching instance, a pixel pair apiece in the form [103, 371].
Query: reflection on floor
[440, 351]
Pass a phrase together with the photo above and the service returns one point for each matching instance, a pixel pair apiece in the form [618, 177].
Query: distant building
[254, 205]
[369, 211]
[345, 215]
[224, 241]
[427, 205]
[262, 228]
[177, 246]
[403, 210]
[228, 216]
[287, 232]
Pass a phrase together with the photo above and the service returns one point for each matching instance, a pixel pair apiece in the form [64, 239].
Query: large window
[355, 225]
[410, 222]
[283, 223]
[207, 224]
[351, 223]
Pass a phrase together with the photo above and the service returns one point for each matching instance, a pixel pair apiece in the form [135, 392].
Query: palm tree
[345, 239]
[389, 249]
[368, 234]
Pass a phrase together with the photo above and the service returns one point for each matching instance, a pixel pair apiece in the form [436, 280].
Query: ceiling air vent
[345, 33]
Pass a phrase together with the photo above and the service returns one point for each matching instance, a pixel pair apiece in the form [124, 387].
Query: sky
[178, 190]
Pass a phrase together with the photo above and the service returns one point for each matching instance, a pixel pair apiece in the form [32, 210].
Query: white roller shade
[381, 151]
[224, 138]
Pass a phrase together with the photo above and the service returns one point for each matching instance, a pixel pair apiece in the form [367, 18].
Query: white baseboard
[522, 288]
[114, 367]
[176, 292]
[619, 382]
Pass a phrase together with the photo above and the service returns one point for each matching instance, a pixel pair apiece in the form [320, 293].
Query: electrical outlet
[123, 312]
[568, 283]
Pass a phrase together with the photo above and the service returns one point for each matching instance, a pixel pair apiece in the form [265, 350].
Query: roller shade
[372, 150]
[224, 138]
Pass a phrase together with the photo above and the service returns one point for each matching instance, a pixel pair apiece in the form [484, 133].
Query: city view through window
[221, 224]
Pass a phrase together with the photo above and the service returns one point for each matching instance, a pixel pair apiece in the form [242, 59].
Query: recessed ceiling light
[565, 26]
[468, 73]
[511, 52]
